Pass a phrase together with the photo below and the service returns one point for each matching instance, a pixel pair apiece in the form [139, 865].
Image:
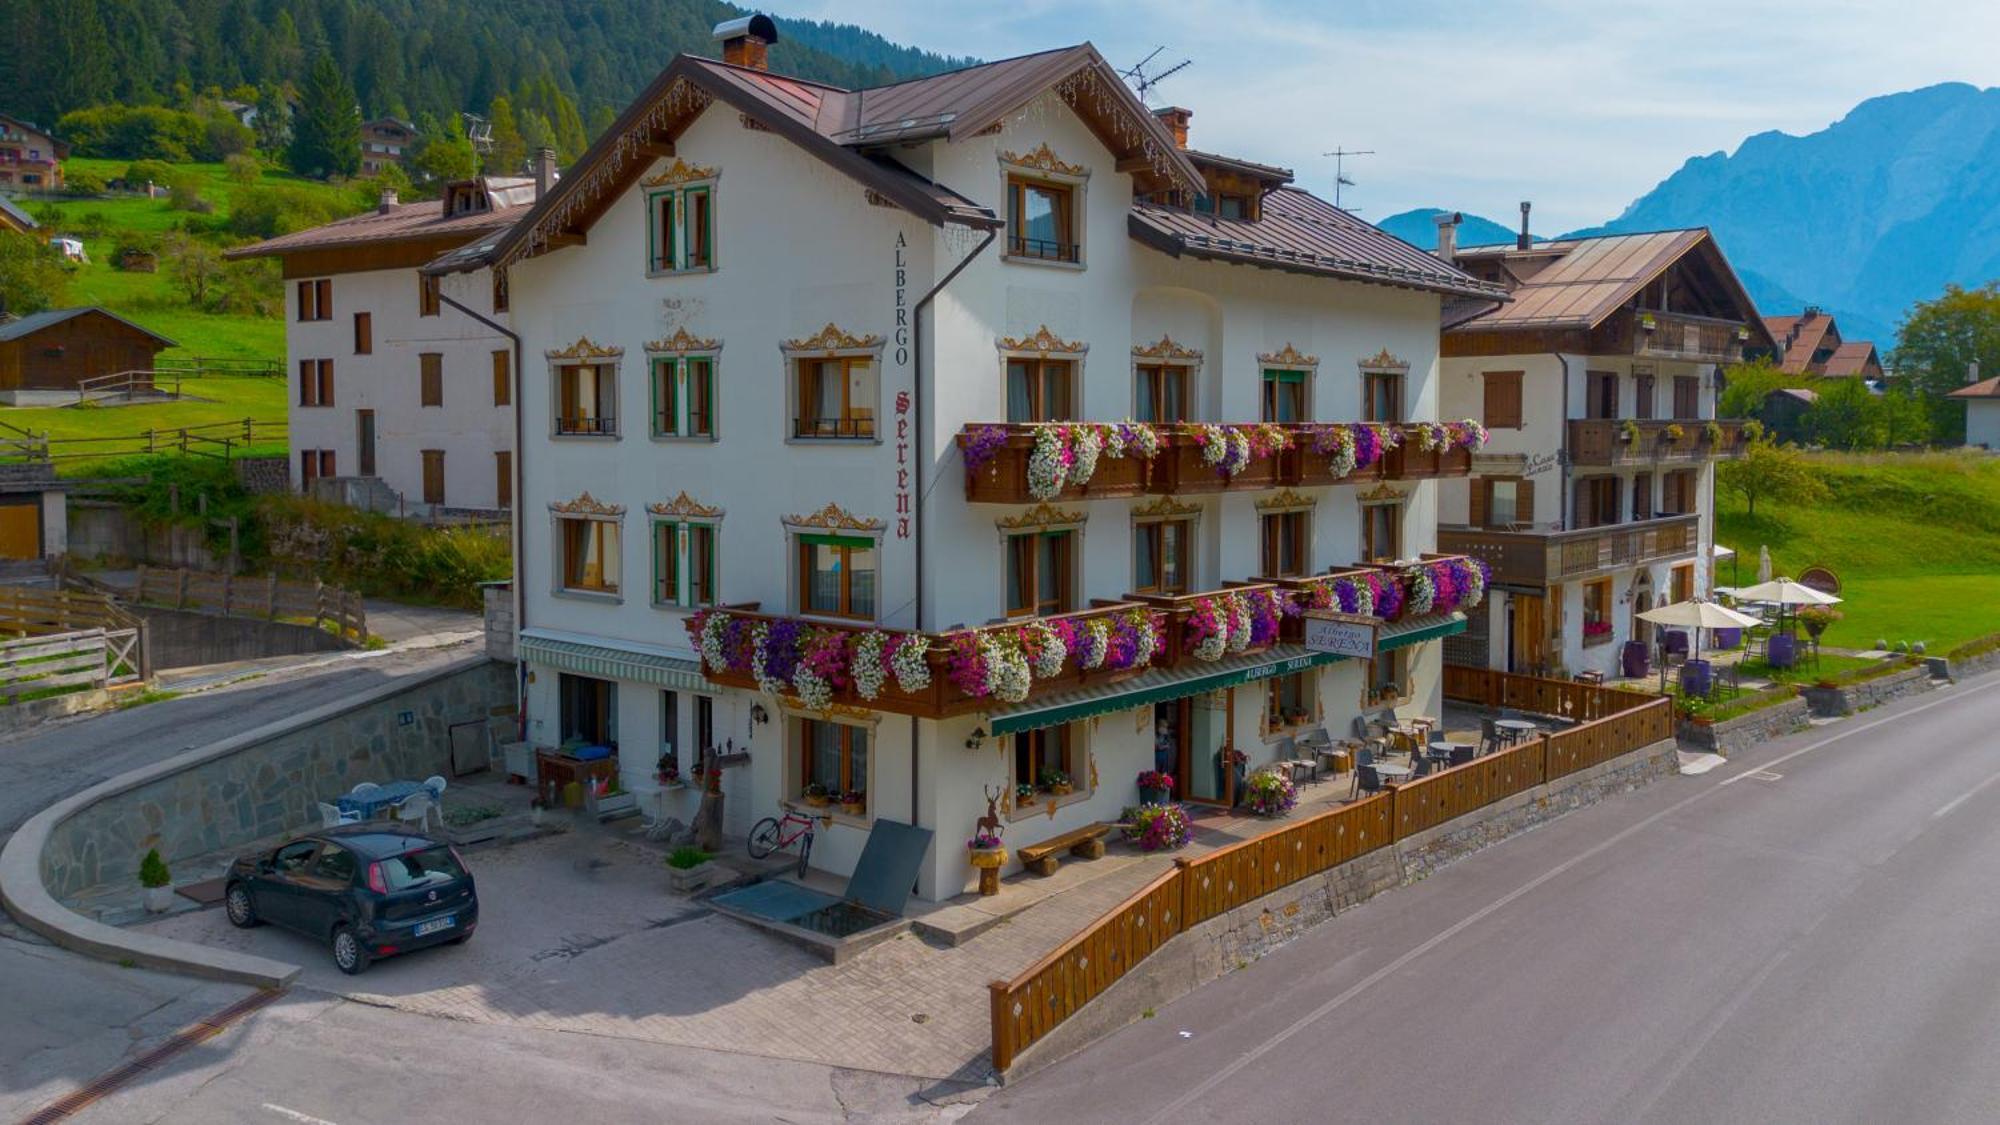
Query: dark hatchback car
[368, 890]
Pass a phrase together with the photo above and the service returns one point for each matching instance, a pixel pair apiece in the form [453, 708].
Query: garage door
[21, 531]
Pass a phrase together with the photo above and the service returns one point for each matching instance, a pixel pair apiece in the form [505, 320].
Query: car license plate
[433, 926]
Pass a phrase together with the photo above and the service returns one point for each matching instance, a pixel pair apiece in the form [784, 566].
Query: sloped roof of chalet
[509, 196]
[1303, 233]
[1985, 388]
[1810, 333]
[1803, 394]
[1249, 168]
[846, 129]
[1851, 358]
[19, 217]
[35, 322]
[1590, 278]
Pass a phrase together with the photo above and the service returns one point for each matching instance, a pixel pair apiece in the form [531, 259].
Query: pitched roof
[35, 322]
[412, 222]
[1852, 358]
[1581, 281]
[15, 215]
[1303, 233]
[1985, 388]
[1802, 341]
[1801, 393]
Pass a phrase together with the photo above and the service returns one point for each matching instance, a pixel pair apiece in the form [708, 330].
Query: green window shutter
[660, 223]
[663, 533]
[708, 542]
[1285, 376]
[837, 541]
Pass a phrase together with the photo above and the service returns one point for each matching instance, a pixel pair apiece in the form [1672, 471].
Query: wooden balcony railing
[1679, 336]
[1537, 558]
[1181, 609]
[1615, 442]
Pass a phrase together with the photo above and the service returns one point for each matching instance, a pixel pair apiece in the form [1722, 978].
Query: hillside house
[385, 141]
[45, 355]
[1811, 344]
[13, 218]
[1982, 412]
[1783, 413]
[30, 157]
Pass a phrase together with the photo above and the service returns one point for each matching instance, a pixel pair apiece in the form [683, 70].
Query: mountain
[1419, 228]
[404, 57]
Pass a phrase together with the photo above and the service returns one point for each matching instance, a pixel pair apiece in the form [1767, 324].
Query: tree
[326, 133]
[196, 267]
[1906, 417]
[273, 123]
[1845, 416]
[242, 168]
[1938, 341]
[31, 277]
[601, 119]
[509, 152]
[1770, 471]
[85, 74]
[444, 153]
[1745, 386]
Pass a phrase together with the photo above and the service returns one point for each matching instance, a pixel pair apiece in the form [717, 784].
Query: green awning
[639, 663]
[1158, 685]
[1408, 632]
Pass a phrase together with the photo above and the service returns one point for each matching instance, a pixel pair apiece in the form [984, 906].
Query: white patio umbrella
[1784, 591]
[1698, 614]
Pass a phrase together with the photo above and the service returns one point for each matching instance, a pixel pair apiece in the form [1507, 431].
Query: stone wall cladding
[499, 620]
[268, 783]
[262, 476]
[1233, 940]
[1849, 698]
[1746, 730]
[1957, 670]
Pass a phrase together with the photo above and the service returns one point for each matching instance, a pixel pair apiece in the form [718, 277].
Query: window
[1160, 396]
[587, 710]
[833, 755]
[1642, 496]
[1044, 752]
[586, 399]
[1041, 220]
[1381, 396]
[315, 382]
[1687, 396]
[1232, 206]
[336, 864]
[837, 576]
[1288, 700]
[499, 292]
[316, 299]
[1388, 676]
[704, 725]
[503, 378]
[1285, 544]
[684, 564]
[314, 464]
[1503, 400]
[1381, 532]
[1039, 579]
[1038, 390]
[1285, 396]
[1681, 580]
[684, 397]
[430, 370]
[294, 858]
[1601, 394]
[1160, 556]
[1503, 502]
[503, 478]
[682, 222]
[433, 476]
[1597, 611]
[364, 333]
[1597, 501]
[1642, 394]
[1677, 493]
[589, 555]
[836, 398]
[427, 295]
[670, 730]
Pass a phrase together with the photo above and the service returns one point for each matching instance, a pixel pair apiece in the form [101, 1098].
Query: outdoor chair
[1463, 754]
[417, 808]
[330, 816]
[1421, 765]
[1366, 780]
[435, 784]
[1489, 737]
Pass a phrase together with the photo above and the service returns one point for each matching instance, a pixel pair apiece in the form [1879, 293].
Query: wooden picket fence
[1611, 722]
[36, 612]
[55, 663]
[269, 597]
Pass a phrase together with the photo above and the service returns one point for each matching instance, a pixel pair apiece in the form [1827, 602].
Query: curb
[29, 901]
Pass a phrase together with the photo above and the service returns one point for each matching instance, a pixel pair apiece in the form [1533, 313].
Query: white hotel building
[763, 321]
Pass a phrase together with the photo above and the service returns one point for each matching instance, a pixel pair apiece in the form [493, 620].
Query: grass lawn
[210, 399]
[1829, 664]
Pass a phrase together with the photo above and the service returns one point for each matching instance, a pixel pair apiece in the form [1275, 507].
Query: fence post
[1003, 1026]
[319, 602]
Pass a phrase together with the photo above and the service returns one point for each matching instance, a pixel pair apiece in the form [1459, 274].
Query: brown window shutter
[1503, 400]
[1524, 502]
[503, 383]
[503, 477]
[1482, 492]
[1579, 516]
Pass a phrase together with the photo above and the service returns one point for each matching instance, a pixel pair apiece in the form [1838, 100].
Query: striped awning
[1194, 677]
[611, 659]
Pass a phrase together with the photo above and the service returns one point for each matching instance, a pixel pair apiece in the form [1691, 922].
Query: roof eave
[1175, 246]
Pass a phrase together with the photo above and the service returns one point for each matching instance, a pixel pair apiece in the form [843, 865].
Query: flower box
[688, 880]
[1001, 473]
[986, 858]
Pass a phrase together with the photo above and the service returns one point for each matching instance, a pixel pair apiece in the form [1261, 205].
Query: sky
[1581, 106]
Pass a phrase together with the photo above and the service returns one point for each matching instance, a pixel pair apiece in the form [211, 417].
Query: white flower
[1239, 451]
[869, 675]
[1007, 674]
[711, 642]
[1210, 648]
[1052, 649]
[1364, 598]
[1046, 475]
[913, 672]
[1239, 623]
[1341, 460]
[1149, 643]
[1096, 642]
[1475, 588]
[1423, 593]
[1085, 444]
[758, 637]
[1214, 444]
[812, 688]
[1140, 438]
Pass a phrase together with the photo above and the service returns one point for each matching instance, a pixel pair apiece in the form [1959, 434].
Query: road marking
[1765, 775]
[1968, 795]
[295, 1115]
[1863, 728]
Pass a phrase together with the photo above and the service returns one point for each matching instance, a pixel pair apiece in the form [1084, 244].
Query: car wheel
[349, 955]
[237, 904]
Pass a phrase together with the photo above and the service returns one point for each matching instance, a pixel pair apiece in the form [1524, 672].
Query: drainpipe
[1563, 508]
[923, 455]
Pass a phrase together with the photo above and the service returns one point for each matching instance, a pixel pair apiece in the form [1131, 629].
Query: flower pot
[1062, 790]
[985, 858]
[687, 880]
[1153, 796]
[819, 802]
[159, 900]
[859, 809]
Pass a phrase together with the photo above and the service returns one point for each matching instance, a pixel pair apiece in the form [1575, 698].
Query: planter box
[686, 881]
[1004, 479]
[1745, 730]
[1848, 698]
[615, 807]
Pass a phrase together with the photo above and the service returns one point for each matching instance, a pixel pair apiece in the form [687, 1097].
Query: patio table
[389, 794]
[1391, 773]
[1517, 729]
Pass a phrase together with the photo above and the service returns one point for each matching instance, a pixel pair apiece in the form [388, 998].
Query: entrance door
[364, 437]
[1527, 648]
[1642, 630]
[1202, 776]
[21, 530]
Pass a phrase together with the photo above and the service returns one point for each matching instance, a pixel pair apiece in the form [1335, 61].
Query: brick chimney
[1176, 120]
[1448, 234]
[746, 41]
[386, 202]
[545, 170]
[1525, 240]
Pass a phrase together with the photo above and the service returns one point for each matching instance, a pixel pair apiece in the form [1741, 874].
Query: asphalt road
[1809, 933]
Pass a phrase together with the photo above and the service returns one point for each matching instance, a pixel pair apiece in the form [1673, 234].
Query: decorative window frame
[830, 342]
[1042, 164]
[677, 350]
[1385, 362]
[1041, 519]
[586, 353]
[1383, 495]
[791, 713]
[1165, 509]
[1043, 343]
[1289, 358]
[1083, 779]
[1315, 713]
[676, 180]
[1167, 352]
[681, 513]
[1287, 501]
[585, 508]
[837, 520]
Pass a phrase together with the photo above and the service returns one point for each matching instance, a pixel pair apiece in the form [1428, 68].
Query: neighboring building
[385, 141]
[1598, 386]
[1783, 413]
[1811, 344]
[34, 510]
[764, 320]
[403, 403]
[1982, 412]
[44, 355]
[13, 218]
[30, 158]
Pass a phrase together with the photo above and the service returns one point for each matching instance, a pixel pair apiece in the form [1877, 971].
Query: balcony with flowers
[1025, 463]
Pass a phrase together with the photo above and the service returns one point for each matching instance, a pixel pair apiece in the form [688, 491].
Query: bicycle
[773, 834]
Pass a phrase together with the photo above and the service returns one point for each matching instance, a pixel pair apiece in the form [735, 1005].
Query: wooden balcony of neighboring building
[1606, 442]
[1665, 335]
[1541, 557]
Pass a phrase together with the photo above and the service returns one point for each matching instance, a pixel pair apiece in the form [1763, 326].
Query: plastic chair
[1463, 754]
[330, 816]
[435, 784]
[417, 807]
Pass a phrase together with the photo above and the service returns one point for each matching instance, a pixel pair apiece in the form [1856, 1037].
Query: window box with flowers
[1155, 787]
[816, 795]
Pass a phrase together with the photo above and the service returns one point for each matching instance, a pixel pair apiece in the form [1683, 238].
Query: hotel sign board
[1342, 634]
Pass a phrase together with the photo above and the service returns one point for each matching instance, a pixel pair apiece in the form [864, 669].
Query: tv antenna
[1143, 83]
[1340, 179]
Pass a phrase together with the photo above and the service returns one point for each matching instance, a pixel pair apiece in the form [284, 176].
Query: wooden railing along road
[269, 598]
[1610, 722]
[33, 612]
[61, 662]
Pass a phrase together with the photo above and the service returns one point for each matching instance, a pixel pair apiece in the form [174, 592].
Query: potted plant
[1155, 787]
[817, 795]
[606, 799]
[985, 850]
[1712, 430]
[854, 802]
[1270, 793]
[1816, 618]
[1156, 827]
[1024, 795]
[1647, 323]
[667, 772]
[1055, 781]
[1673, 432]
[689, 869]
[1628, 431]
[158, 881]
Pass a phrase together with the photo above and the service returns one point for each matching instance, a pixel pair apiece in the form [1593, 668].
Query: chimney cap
[1448, 218]
[757, 25]
[386, 200]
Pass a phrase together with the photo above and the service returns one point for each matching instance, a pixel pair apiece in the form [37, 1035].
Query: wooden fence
[1611, 722]
[55, 663]
[33, 612]
[269, 598]
[221, 440]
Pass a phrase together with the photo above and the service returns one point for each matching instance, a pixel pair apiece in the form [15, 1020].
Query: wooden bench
[1084, 843]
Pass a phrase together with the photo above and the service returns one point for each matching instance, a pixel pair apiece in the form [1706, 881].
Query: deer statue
[990, 823]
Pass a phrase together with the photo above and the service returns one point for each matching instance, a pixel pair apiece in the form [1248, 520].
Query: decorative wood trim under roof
[677, 173]
[1041, 515]
[1167, 348]
[1289, 356]
[833, 517]
[1110, 101]
[586, 505]
[1044, 159]
[682, 342]
[585, 349]
[1042, 343]
[1286, 500]
[1384, 493]
[1386, 361]
[685, 506]
[1165, 507]
[832, 339]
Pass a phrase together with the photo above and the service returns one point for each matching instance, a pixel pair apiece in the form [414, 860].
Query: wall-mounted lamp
[976, 739]
[758, 715]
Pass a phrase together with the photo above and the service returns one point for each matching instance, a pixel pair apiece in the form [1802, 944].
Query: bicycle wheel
[805, 851]
[764, 838]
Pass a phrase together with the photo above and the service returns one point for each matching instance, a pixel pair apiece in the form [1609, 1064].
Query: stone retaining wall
[1234, 939]
[263, 476]
[267, 782]
[1956, 670]
[1745, 730]
[1864, 694]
